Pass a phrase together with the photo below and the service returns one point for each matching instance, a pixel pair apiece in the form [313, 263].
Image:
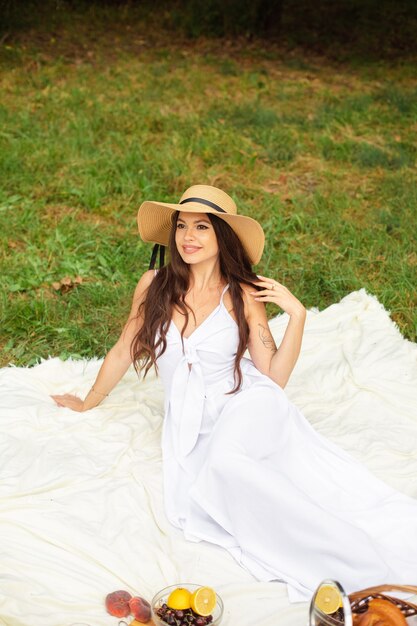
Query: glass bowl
[162, 596]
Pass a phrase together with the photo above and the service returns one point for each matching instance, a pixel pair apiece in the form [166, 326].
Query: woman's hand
[278, 294]
[69, 401]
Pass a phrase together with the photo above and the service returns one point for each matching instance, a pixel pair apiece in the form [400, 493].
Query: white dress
[248, 472]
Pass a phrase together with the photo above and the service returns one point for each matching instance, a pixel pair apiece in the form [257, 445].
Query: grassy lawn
[93, 121]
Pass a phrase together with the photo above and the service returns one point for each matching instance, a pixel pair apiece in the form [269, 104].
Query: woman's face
[195, 238]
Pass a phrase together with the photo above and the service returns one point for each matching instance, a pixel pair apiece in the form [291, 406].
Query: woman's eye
[199, 226]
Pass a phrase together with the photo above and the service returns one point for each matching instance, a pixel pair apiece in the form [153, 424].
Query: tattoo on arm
[266, 338]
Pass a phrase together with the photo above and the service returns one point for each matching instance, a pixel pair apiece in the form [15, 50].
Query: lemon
[179, 599]
[328, 599]
[203, 601]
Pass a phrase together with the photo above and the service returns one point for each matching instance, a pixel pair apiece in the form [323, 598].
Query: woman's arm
[275, 363]
[117, 360]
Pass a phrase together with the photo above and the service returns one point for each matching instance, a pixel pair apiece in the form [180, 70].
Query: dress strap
[223, 292]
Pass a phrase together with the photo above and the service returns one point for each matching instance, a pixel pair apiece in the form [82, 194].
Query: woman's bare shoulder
[143, 283]
[147, 277]
[246, 288]
[246, 293]
[253, 308]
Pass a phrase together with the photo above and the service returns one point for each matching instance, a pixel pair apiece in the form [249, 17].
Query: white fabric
[81, 510]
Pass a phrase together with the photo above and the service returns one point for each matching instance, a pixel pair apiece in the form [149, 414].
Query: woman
[242, 467]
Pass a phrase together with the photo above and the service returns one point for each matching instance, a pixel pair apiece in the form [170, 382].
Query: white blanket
[81, 511]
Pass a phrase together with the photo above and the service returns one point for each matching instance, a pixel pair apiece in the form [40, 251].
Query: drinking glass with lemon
[330, 605]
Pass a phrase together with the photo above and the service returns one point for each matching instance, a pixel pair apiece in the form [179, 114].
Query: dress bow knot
[187, 401]
[191, 355]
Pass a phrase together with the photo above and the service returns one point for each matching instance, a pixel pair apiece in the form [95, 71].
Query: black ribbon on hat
[155, 249]
[203, 201]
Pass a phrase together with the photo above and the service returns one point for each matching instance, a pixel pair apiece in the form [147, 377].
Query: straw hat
[154, 218]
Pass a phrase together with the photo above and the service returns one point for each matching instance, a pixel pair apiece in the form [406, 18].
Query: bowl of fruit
[187, 604]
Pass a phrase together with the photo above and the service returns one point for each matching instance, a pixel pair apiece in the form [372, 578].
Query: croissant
[381, 613]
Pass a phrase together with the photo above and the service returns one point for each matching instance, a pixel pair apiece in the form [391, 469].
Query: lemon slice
[328, 599]
[179, 599]
[203, 601]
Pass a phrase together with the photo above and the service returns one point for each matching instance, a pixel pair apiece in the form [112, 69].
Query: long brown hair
[170, 286]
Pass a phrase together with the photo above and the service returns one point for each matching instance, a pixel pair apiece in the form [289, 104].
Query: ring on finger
[272, 286]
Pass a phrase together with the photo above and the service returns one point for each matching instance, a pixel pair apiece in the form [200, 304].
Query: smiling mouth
[190, 249]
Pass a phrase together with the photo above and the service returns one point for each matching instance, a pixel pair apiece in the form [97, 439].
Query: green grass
[323, 156]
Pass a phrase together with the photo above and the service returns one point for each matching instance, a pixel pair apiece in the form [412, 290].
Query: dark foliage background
[372, 28]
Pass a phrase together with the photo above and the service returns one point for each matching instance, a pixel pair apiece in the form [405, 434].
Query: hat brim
[155, 223]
